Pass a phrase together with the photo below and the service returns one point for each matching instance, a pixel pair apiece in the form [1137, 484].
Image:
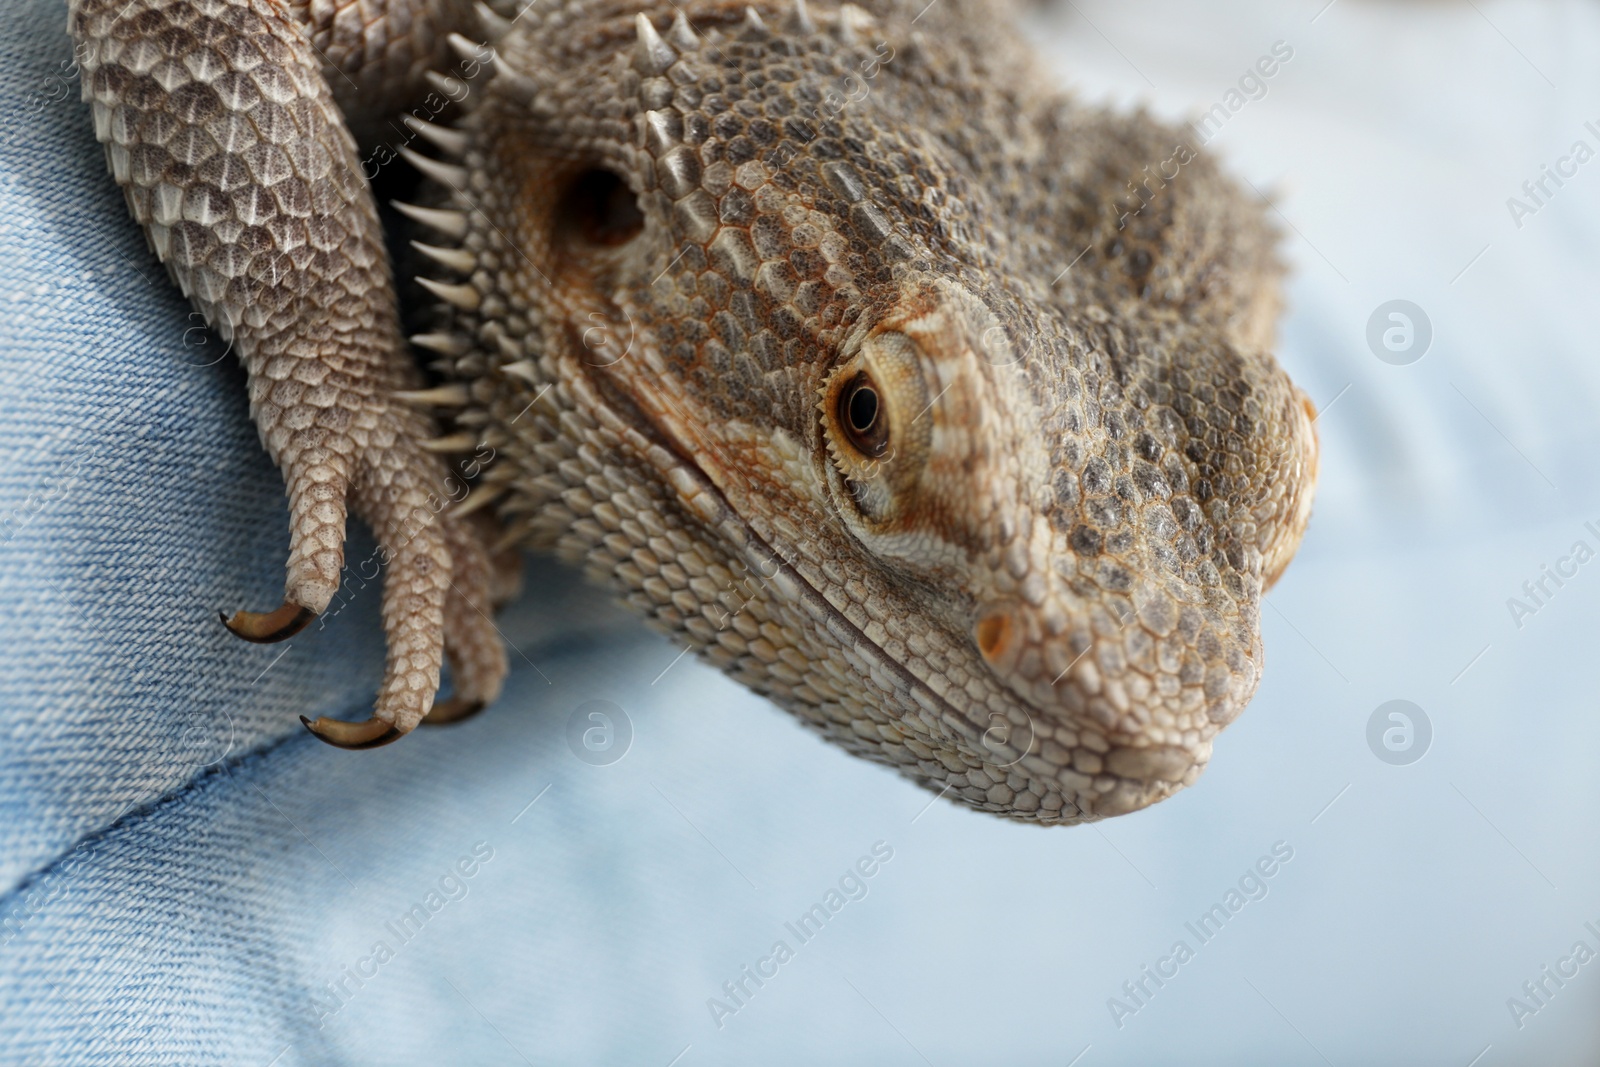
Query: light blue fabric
[188, 878]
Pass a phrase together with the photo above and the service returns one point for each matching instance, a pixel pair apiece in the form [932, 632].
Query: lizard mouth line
[766, 555]
[948, 713]
[762, 556]
[669, 423]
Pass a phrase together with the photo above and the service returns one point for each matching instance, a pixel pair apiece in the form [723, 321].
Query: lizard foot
[236, 160]
[436, 603]
[438, 576]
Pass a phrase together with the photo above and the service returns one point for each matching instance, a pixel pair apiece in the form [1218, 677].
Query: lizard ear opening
[598, 209]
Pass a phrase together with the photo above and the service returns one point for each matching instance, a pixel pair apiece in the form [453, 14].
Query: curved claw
[264, 628]
[454, 710]
[342, 734]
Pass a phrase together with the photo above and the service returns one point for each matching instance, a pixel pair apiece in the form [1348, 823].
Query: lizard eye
[876, 448]
[861, 413]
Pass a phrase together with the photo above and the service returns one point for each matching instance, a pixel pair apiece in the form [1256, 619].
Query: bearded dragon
[933, 405]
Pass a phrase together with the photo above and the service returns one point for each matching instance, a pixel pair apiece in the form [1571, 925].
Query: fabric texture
[187, 877]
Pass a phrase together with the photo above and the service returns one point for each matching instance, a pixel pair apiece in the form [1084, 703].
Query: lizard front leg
[221, 128]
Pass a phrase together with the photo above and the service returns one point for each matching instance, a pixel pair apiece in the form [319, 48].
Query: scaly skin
[846, 351]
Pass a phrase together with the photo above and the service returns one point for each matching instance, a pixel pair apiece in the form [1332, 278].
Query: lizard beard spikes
[759, 315]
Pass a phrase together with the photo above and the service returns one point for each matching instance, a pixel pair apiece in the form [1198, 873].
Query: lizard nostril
[993, 634]
[600, 209]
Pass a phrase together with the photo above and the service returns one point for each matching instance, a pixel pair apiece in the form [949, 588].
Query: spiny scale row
[652, 55]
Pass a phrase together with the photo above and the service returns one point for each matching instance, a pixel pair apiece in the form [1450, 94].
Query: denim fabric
[187, 877]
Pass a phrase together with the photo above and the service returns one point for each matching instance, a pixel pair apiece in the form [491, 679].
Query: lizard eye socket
[866, 425]
[600, 209]
[876, 447]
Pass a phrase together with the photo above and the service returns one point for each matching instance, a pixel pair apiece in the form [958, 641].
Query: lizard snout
[1097, 723]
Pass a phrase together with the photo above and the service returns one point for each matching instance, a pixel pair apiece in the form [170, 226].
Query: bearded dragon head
[1050, 518]
[751, 332]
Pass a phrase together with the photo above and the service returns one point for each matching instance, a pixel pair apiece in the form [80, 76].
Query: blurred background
[1433, 861]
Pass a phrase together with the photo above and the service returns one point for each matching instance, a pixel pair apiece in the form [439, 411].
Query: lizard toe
[472, 643]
